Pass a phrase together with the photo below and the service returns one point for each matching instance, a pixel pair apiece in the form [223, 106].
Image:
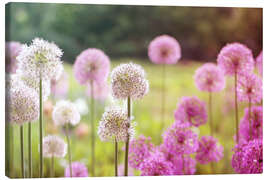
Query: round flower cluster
[249, 88]
[191, 110]
[91, 65]
[59, 87]
[164, 49]
[41, 60]
[259, 63]
[235, 58]
[209, 150]
[54, 146]
[65, 112]
[248, 157]
[78, 170]
[115, 125]
[12, 50]
[209, 78]
[128, 80]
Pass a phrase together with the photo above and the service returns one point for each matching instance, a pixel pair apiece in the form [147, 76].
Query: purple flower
[12, 51]
[78, 170]
[248, 157]
[91, 65]
[100, 90]
[249, 88]
[60, 87]
[139, 150]
[209, 150]
[210, 78]
[259, 63]
[256, 119]
[191, 110]
[235, 58]
[164, 49]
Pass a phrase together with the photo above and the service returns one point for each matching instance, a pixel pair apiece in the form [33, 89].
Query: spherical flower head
[249, 88]
[115, 125]
[65, 112]
[54, 146]
[12, 50]
[259, 63]
[209, 78]
[41, 60]
[256, 119]
[59, 88]
[164, 49]
[91, 65]
[248, 157]
[139, 149]
[191, 110]
[78, 170]
[235, 58]
[209, 150]
[180, 139]
[128, 80]
[156, 165]
[100, 90]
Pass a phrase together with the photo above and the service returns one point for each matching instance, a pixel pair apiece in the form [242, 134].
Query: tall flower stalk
[29, 150]
[40, 129]
[163, 99]
[127, 141]
[210, 114]
[236, 107]
[69, 151]
[22, 152]
[92, 119]
[116, 157]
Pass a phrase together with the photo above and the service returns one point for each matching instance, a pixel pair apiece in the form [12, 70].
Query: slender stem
[29, 150]
[183, 164]
[7, 148]
[210, 114]
[236, 107]
[40, 129]
[52, 166]
[127, 142]
[22, 153]
[249, 119]
[11, 151]
[163, 100]
[212, 167]
[92, 114]
[69, 152]
[116, 158]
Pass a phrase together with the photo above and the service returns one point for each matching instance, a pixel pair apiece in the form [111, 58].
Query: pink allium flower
[180, 140]
[259, 63]
[100, 90]
[248, 157]
[249, 88]
[256, 124]
[164, 49]
[139, 149]
[210, 78]
[60, 87]
[121, 170]
[209, 150]
[191, 110]
[78, 170]
[91, 64]
[156, 165]
[235, 58]
[12, 51]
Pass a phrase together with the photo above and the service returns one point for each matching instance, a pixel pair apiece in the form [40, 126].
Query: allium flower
[164, 49]
[65, 112]
[121, 170]
[60, 87]
[210, 78]
[114, 124]
[180, 140]
[91, 65]
[259, 63]
[12, 51]
[78, 170]
[235, 58]
[249, 88]
[256, 119]
[209, 150]
[100, 90]
[128, 80]
[54, 146]
[139, 149]
[41, 59]
[191, 110]
[248, 157]
[156, 165]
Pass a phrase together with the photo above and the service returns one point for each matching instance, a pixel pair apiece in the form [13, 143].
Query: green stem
[69, 151]
[249, 119]
[11, 151]
[210, 114]
[52, 166]
[40, 129]
[116, 158]
[29, 150]
[163, 100]
[7, 148]
[22, 153]
[92, 114]
[236, 107]
[127, 142]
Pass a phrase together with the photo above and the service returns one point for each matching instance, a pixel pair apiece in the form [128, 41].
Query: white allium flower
[54, 146]
[115, 124]
[41, 59]
[65, 112]
[128, 80]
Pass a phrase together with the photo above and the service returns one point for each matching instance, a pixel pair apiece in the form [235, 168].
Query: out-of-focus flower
[91, 65]
[121, 170]
[248, 157]
[78, 170]
[209, 150]
[191, 110]
[59, 88]
[82, 106]
[12, 50]
[210, 78]
[235, 58]
[54, 146]
[48, 108]
[100, 90]
[259, 63]
[128, 80]
[164, 49]
[82, 130]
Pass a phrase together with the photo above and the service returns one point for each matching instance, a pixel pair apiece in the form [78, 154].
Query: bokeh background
[123, 33]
